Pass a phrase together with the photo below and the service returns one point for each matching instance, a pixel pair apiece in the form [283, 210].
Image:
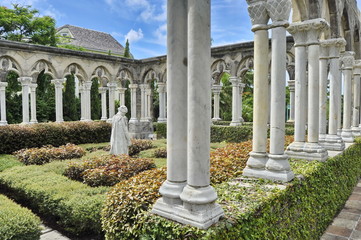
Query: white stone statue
[120, 139]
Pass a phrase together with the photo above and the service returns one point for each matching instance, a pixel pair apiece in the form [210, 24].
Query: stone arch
[102, 74]
[7, 64]
[346, 29]
[163, 76]
[218, 69]
[245, 65]
[290, 65]
[334, 20]
[77, 70]
[314, 9]
[300, 10]
[149, 76]
[43, 65]
[124, 74]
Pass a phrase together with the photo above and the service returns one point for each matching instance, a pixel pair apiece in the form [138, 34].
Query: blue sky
[143, 22]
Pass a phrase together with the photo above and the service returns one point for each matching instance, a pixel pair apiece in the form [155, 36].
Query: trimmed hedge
[16, 137]
[74, 206]
[16, 222]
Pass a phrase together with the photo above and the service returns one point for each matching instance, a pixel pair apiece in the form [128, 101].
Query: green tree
[22, 23]
[95, 100]
[127, 50]
[226, 98]
[70, 101]
[13, 99]
[45, 98]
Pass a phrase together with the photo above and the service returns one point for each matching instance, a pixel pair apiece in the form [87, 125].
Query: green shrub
[221, 123]
[160, 129]
[107, 170]
[16, 137]
[16, 222]
[74, 206]
[8, 161]
[137, 145]
[48, 153]
[160, 153]
[230, 134]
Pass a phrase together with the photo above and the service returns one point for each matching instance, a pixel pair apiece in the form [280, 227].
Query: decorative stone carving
[257, 11]
[279, 11]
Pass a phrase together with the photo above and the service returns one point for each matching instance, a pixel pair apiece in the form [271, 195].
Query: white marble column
[111, 86]
[25, 84]
[291, 86]
[162, 101]
[278, 167]
[133, 102]
[356, 130]
[103, 93]
[235, 101]
[59, 99]
[122, 96]
[33, 87]
[143, 100]
[256, 163]
[324, 53]
[333, 141]
[198, 196]
[216, 90]
[241, 88]
[348, 62]
[149, 109]
[82, 102]
[3, 120]
[87, 87]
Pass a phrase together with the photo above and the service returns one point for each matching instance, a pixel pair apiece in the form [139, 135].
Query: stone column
[3, 120]
[334, 142]
[198, 196]
[162, 101]
[299, 32]
[313, 149]
[324, 52]
[33, 87]
[59, 99]
[81, 91]
[241, 88]
[348, 62]
[25, 84]
[235, 101]
[103, 93]
[356, 130]
[133, 102]
[256, 163]
[149, 104]
[143, 106]
[278, 167]
[216, 90]
[111, 86]
[291, 86]
[122, 96]
[87, 102]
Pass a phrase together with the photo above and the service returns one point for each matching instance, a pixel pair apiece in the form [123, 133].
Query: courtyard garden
[50, 173]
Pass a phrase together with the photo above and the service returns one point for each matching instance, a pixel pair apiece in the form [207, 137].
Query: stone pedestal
[133, 102]
[348, 62]
[216, 90]
[59, 99]
[111, 86]
[356, 130]
[235, 101]
[33, 87]
[162, 102]
[103, 93]
[291, 86]
[3, 120]
[25, 84]
[141, 130]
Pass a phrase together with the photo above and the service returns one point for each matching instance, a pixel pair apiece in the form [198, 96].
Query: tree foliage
[70, 101]
[95, 100]
[127, 50]
[22, 23]
[45, 98]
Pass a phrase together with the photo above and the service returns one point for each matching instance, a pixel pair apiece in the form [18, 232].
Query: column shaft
[356, 130]
[3, 120]
[323, 98]
[58, 99]
[133, 98]
[162, 102]
[33, 102]
[241, 88]
[235, 101]
[25, 84]
[103, 92]
[111, 87]
[291, 85]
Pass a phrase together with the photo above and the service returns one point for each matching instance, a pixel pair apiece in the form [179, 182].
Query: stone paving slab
[51, 234]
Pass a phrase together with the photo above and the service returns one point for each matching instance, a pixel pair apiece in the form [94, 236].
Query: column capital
[3, 85]
[133, 86]
[314, 28]
[25, 81]
[216, 89]
[103, 90]
[241, 87]
[148, 91]
[58, 82]
[357, 67]
[33, 86]
[335, 45]
[235, 81]
[279, 11]
[121, 90]
[257, 11]
[143, 87]
[291, 85]
[87, 85]
[162, 87]
[111, 86]
[348, 59]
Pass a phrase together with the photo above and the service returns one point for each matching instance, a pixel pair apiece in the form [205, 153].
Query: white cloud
[161, 35]
[8, 3]
[134, 36]
[52, 12]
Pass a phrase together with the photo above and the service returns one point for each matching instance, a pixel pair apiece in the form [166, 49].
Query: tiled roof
[93, 40]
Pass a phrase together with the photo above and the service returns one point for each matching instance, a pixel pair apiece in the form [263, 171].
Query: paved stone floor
[347, 225]
[51, 234]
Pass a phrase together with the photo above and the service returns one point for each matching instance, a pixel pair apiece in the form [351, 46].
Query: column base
[347, 136]
[257, 160]
[33, 121]
[241, 119]
[290, 121]
[322, 137]
[356, 131]
[162, 120]
[104, 119]
[216, 119]
[235, 123]
[3, 123]
[278, 168]
[24, 123]
[86, 120]
[333, 143]
[61, 121]
[109, 120]
[339, 131]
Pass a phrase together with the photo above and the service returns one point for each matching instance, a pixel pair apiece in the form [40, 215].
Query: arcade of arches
[321, 59]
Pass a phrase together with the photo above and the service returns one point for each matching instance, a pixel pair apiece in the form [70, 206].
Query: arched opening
[71, 101]
[45, 98]
[13, 98]
[346, 30]
[95, 103]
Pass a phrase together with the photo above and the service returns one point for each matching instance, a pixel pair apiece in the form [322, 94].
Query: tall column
[143, 100]
[149, 104]
[356, 130]
[33, 87]
[133, 102]
[241, 88]
[278, 167]
[3, 120]
[25, 84]
[256, 164]
[198, 195]
[324, 52]
[313, 149]
[103, 93]
[111, 86]
[291, 86]
[333, 141]
[122, 96]
[82, 101]
[216, 89]
[87, 102]
[59, 99]
[348, 62]
[162, 101]
[235, 101]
